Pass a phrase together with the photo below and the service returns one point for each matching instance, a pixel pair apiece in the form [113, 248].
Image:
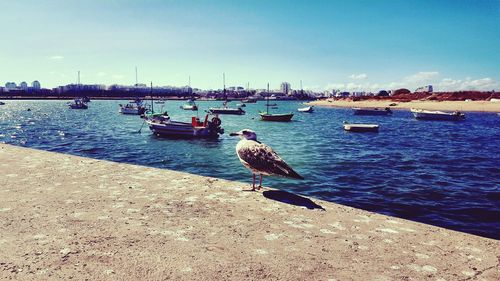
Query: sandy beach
[472, 106]
[65, 217]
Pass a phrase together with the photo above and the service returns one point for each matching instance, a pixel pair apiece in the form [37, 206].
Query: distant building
[285, 88]
[23, 86]
[424, 89]
[36, 85]
[10, 85]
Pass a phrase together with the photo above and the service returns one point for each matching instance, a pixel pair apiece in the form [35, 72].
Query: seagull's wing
[262, 158]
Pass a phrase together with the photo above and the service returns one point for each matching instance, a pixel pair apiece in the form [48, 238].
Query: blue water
[440, 173]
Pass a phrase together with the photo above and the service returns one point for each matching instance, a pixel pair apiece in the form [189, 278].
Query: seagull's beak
[234, 134]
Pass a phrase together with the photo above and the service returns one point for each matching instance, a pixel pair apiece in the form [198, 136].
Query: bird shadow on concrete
[292, 199]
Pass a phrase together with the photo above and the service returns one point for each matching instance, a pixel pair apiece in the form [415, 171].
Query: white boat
[189, 105]
[361, 127]
[308, 109]
[78, 104]
[162, 126]
[133, 108]
[437, 115]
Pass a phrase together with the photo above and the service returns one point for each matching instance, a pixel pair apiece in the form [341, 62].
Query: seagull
[260, 158]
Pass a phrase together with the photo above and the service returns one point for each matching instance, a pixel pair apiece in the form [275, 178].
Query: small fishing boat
[249, 100]
[437, 115]
[189, 105]
[372, 111]
[283, 117]
[241, 105]
[360, 128]
[160, 101]
[78, 104]
[308, 109]
[2, 103]
[133, 108]
[226, 110]
[277, 117]
[161, 125]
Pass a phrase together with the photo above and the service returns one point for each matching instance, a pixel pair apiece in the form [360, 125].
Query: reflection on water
[441, 173]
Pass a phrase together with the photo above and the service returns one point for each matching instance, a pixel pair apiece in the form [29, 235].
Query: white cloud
[482, 84]
[361, 76]
[101, 74]
[56, 58]
[422, 77]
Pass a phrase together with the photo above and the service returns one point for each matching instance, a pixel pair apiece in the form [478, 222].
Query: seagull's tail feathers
[287, 171]
[295, 175]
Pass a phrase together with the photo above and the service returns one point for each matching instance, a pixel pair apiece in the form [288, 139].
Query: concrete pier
[64, 217]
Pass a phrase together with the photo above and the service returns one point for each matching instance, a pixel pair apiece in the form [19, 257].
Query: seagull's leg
[260, 184]
[253, 181]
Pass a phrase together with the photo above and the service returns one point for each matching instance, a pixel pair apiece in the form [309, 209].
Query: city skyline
[345, 45]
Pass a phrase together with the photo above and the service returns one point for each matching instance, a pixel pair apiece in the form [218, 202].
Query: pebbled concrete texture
[64, 217]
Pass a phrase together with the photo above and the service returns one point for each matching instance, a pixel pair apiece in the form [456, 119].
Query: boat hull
[189, 107]
[230, 111]
[361, 128]
[78, 106]
[309, 109]
[372, 111]
[438, 115]
[132, 111]
[181, 130]
[276, 117]
[249, 101]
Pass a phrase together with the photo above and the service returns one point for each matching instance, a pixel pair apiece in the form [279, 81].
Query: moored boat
[372, 111]
[249, 100]
[161, 125]
[277, 117]
[133, 108]
[78, 104]
[226, 110]
[360, 128]
[2, 103]
[437, 115]
[189, 105]
[308, 109]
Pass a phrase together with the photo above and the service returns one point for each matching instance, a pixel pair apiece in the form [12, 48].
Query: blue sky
[353, 45]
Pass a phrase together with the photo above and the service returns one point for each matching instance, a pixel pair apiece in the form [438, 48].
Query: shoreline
[464, 106]
[69, 217]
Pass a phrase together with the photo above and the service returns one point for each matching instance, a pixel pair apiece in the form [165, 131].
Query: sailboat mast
[78, 84]
[224, 84]
[136, 81]
[267, 105]
[151, 95]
